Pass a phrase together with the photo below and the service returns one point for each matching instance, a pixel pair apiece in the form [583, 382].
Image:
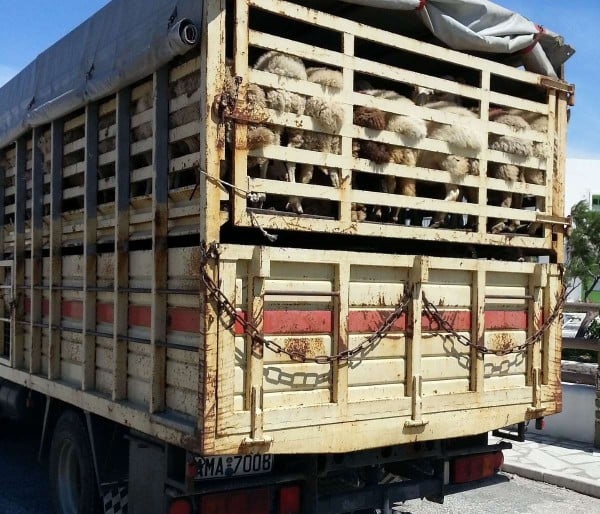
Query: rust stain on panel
[307, 347]
[501, 342]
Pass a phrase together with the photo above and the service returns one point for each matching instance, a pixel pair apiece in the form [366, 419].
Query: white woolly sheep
[519, 121]
[331, 116]
[414, 128]
[460, 137]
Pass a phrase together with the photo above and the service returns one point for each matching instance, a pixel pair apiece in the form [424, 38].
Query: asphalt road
[23, 481]
[24, 488]
[509, 494]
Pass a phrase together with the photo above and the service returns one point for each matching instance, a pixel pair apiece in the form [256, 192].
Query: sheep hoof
[294, 205]
[498, 228]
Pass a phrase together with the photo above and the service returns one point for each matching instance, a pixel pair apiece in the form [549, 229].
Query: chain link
[434, 315]
[225, 306]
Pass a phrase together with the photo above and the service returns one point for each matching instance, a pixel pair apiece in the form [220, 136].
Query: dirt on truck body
[300, 234]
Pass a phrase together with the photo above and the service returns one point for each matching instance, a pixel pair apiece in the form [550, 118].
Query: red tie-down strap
[536, 39]
[421, 4]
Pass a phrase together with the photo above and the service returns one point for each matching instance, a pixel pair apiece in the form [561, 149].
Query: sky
[576, 20]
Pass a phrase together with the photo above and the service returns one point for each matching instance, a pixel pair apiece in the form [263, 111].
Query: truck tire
[73, 487]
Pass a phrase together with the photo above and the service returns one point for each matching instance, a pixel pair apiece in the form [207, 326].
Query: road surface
[24, 488]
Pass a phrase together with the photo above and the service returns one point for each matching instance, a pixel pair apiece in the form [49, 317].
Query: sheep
[457, 136]
[289, 66]
[413, 128]
[510, 173]
[331, 116]
[258, 135]
[519, 121]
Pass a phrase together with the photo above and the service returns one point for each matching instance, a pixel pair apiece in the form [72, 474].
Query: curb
[578, 484]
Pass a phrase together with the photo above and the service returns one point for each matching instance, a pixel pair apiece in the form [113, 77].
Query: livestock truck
[187, 344]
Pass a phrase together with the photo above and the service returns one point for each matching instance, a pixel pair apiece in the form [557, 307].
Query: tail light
[289, 500]
[250, 501]
[539, 424]
[475, 467]
[180, 506]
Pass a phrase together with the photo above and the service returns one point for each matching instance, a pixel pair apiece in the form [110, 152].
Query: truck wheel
[73, 487]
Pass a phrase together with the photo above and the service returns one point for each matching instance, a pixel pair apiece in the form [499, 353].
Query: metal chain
[225, 306]
[434, 315]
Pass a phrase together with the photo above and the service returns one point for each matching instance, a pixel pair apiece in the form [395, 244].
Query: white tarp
[475, 25]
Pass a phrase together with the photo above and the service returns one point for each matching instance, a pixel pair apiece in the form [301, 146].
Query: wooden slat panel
[56, 227]
[121, 255]
[160, 187]
[18, 343]
[313, 17]
[89, 249]
[35, 294]
[212, 57]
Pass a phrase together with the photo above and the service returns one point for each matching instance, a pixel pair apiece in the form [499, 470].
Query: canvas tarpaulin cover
[476, 25]
[124, 42]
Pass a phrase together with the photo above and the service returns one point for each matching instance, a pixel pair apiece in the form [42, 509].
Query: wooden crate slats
[342, 203]
[121, 254]
[318, 18]
[160, 187]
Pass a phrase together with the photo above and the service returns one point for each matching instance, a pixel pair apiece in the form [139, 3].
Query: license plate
[232, 466]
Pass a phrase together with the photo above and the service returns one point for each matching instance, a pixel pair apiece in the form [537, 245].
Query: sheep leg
[535, 226]
[502, 225]
[472, 196]
[388, 186]
[263, 167]
[452, 195]
[404, 187]
[306, 174]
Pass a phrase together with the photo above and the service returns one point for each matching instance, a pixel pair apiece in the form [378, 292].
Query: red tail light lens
[255, 501]
[180, 506]
[475, 467]
[289, 500]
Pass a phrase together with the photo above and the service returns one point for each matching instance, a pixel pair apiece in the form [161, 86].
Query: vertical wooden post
[90, 257]
[484, 154]
[226, 352]
[553, 171]
[346, 175]
[160, 198]
[4, 293]
[3, 227]
[121, 265]
[478, 327]
[419, 275]
[534, 320]
[340, 336]
[18, 343]
[240, 160]
[260, 270]
[57, 131]
[35, 293]
[212, 57]
[558, 184]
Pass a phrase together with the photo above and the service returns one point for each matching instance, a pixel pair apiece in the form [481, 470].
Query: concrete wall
[576, 421]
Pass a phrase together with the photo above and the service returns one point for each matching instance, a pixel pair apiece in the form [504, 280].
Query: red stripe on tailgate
[104, 313]
[184, 319]
[506, 320]
[318, 322]
[297, 322]
[371, 321]
[459, 320]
